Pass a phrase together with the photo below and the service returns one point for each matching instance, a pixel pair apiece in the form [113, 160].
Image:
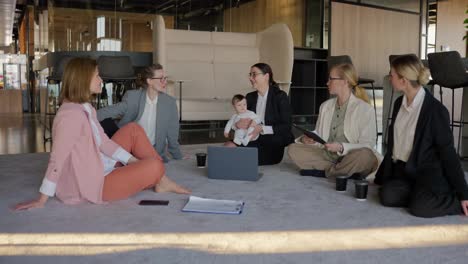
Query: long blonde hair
[348, 73]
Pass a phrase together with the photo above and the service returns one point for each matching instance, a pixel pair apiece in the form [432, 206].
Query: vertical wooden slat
[258, 15]
[370, 35]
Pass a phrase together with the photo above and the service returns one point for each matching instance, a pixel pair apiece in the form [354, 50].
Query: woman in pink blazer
[85, 165]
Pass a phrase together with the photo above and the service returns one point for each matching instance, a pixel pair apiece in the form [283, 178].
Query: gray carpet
[287, 219]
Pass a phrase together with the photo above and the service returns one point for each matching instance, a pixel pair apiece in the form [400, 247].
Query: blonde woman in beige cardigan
[347, 123]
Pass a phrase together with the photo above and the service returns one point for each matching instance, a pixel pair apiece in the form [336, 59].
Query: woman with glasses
[347, 123]
[421, 169]
[152, 109]
[272, 107]
[85, 165]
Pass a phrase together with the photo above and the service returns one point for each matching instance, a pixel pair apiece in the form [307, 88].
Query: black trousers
[401, 191]
[109, 126]
[269, 152]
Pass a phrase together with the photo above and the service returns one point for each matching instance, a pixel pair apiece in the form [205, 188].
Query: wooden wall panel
[260, 14]
[11, 101]
[142, 37]
[22, 36]
[370, 35]
[450, 29]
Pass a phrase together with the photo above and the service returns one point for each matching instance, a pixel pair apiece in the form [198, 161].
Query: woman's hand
[464, 205]
[334, 147]
[307, 140]
[38, 203]
[256, 131]
[243, 123]
[226, 135]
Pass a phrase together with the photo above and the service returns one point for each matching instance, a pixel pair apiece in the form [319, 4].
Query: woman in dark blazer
[421, 169]
[272, 106]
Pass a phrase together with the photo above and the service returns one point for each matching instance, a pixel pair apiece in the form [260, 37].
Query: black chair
[55, 77]
[117, 70]
[335, 60]
[448, 70]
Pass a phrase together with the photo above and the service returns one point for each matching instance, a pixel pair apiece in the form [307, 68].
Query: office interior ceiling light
[7, 13]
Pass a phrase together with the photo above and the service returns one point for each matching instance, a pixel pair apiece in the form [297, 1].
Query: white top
[148, 119]
[261, 108]
[231, 124]
[405, 126]
[109, 162]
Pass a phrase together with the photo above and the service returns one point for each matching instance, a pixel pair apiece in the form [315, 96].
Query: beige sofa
[215, 65]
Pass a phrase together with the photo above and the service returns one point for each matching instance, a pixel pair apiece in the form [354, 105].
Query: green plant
[466, 25]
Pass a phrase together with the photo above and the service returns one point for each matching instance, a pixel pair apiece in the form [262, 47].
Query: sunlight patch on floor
[300, 241]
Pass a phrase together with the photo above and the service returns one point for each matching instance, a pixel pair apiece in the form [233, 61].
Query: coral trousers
[125, 181]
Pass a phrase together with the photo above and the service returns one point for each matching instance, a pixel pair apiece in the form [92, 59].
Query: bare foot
[168, 185]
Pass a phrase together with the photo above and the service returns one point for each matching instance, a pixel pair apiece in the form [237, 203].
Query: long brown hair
[76, 80]
[348, 72]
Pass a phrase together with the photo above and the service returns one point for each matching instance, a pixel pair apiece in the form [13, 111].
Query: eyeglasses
[334, 78]
[254, 74]
[163, 79]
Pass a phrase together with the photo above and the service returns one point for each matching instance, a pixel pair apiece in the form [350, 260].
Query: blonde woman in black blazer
[421, 169]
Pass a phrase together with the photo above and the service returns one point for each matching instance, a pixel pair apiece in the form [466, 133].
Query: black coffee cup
[201, 160]
[341, 183]
[361, 190]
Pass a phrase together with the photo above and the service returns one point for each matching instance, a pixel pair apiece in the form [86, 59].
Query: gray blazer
[167, 119]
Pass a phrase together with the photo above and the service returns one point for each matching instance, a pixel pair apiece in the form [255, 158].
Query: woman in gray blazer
[152, 109]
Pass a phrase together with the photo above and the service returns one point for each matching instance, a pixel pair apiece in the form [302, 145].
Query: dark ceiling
[169, 7]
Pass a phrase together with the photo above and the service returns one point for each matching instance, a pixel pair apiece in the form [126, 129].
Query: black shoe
[314, 173]
[357, 176]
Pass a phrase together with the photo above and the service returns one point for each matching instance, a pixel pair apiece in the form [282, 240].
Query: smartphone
[153, 202]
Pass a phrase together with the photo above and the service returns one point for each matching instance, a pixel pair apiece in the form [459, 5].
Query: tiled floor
[21, 134]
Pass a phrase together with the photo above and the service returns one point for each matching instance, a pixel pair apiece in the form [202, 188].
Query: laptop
[225, 163]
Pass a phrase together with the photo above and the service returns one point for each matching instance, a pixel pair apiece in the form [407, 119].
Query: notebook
[203, 205]
[239, 163]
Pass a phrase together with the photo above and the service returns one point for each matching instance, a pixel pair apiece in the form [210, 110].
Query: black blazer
[433, 163]
[277, 114]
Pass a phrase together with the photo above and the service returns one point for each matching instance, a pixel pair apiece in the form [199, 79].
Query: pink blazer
[75, 165]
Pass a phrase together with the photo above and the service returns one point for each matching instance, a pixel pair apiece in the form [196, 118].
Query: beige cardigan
[359, 125]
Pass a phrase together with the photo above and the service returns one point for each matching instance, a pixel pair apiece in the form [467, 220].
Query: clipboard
[203, 205]
[311, 134]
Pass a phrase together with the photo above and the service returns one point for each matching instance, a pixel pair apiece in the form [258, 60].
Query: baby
[241, 136]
